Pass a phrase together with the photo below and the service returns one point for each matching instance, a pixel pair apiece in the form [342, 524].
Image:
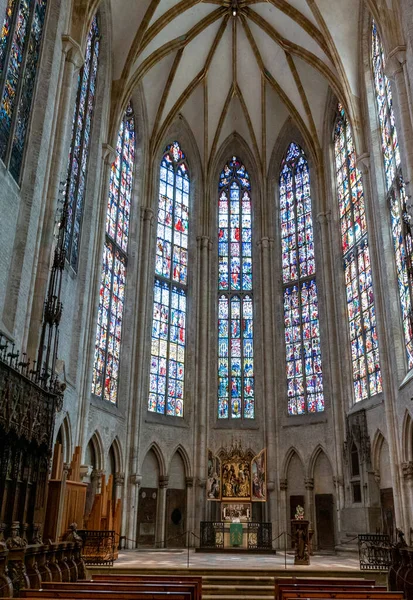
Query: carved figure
[72, 534]
[299, 513]
[15, 541]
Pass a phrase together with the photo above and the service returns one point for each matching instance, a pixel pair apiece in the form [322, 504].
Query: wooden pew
[283, 582]
[325, 592]
[125, 578]
[109, 595]
[114, 586]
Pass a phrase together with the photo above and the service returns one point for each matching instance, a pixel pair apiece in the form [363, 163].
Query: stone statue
[299, 513]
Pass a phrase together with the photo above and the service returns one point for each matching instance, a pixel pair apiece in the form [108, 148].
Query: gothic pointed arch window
[20, 46]
[167, 369]
[80, 143]
[395, 188]
[105, 378]
[236, 395]
[367, 378]
[301, 320]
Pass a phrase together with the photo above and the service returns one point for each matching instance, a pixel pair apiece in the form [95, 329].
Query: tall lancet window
[79, 147]
[236, 398]
[302, 329]
[356, 257]
[20, 45]
[396, 192]
[113, 280]
[167, 372]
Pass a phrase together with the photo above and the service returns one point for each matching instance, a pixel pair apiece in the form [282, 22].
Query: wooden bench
[155, 585]
[349, 594]
[125, 578]
[146, 594]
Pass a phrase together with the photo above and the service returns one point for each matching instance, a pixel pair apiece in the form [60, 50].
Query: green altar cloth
[235, 534]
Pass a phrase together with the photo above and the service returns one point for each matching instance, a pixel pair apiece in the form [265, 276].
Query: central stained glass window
[357, 268]
[236, 397]
[302, 328]
[167, 375]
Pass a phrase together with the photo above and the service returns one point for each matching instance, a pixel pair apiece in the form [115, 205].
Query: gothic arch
[118, 454]
[407, 438]
[287, 460]
[155, 448]
[376, 448]
[317, 452]
[97, 444]
[180, 450]
[65, 431]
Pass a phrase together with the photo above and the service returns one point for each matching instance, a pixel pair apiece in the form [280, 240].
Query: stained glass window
[236, 396]
[396, 192]
[356, 256]
[301, 321]
[167, 372]
[113, 279]
[20, 46]
[79, 148]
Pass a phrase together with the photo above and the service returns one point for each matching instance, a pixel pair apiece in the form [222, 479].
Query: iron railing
[99, 547]
[374, 552]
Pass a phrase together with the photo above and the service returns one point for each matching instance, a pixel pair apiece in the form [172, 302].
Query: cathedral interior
[205, 231]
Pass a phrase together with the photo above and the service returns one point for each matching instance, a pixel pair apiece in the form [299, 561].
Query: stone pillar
[284, 521]
[190, 525]
[379, 287]
[408, 486]
[201, 428]
[130, 516]
[161, 512]
[72, 61]
[309, 499]
[268, 371]
[119, 483]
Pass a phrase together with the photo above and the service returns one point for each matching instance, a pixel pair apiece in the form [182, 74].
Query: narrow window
[236, 397]
[302, 329]
[357, 269]
[396, 191]
[79, 147]
[167, 373]
[113, 280]
[20, 45]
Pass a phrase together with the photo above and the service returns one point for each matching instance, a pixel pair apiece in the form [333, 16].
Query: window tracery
[301, 320]
[114, 263]
[396, 191]
[236, 396]
[79, 147]
[367, 378]
[20, 46]
[167, 371]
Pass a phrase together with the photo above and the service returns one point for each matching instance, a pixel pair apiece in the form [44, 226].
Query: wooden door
[324, 510]
[175, 518]
[387, 512]
[148, 502]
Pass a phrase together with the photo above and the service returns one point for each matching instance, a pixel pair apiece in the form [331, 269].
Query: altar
[218, 536]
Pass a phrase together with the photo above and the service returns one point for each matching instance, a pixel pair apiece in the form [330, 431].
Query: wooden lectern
[299, 528]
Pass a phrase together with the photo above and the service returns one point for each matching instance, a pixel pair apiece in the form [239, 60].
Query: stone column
[119, 483]
[161, 512]
[408, 486]
[201, 427]
[283, 516]
[309, 498]
[363, 163]
[72, 61]
[189, 525]
[130, 516]
[268, 371]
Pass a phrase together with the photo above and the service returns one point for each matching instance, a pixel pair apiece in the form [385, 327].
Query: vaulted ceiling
[237, 65]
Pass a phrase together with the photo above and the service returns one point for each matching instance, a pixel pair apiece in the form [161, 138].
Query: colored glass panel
[105, 379]
[401, 232]
[79, 150]
[359, 286]
[19, 56]
[301, 320]
[167, 371]
[236, 395]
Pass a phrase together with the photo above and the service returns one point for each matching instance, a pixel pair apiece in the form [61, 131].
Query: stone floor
[163, 559]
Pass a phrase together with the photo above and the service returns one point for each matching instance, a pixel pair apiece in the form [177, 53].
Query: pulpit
[299, 528]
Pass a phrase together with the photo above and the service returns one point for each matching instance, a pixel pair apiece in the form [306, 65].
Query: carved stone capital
[135, 479]
[309, 483]
[270, 485]
[363, 162]
[324, 217]
[338, 481]
[395, 61]
[189, 482]
[407, 468]
[108, 154]
[119, 479]
[204, 242]
[376, 476]
[163, 481]
[147, 214]
[73, 51]
[85, 471]
[201, 483]
[283, 484]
